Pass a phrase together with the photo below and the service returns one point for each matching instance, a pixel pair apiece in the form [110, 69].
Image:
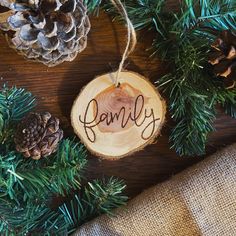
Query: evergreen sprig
[192, 92]
[14, 104]
[57, 174]
[93, 6]
[30, 217]
[28, 187]
[227, 98]
[207, 14]
[182, 38]
[98, 197]
[192, 97]
[36, 217]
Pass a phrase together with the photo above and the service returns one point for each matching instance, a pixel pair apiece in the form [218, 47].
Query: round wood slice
[114, 122]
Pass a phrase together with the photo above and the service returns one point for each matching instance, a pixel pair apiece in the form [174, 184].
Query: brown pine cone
[49, 31]
[38, 135]
[223, 58]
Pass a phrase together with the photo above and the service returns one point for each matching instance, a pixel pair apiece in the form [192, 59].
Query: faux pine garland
[182, 39]
[27, 187]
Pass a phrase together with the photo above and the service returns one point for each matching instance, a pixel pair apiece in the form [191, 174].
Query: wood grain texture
[125, 119]
[56, 88]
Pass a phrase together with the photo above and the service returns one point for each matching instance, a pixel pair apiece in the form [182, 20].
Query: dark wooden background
[56, 88]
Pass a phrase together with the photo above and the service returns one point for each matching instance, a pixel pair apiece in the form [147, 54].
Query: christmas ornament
[114, 122]
[48, 31]
[118, 113]
[223, 58]
[38, 135]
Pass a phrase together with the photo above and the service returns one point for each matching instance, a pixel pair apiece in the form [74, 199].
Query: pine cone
[223, 58]
[49, 31]
[38, 135]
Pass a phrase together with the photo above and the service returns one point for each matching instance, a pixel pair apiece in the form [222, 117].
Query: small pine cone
[48, 31]
[38, 135]
[223, 58]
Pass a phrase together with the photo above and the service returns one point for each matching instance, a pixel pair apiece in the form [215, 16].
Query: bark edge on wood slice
[114, 122]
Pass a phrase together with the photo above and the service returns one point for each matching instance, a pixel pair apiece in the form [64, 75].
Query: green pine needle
[230, 109]
[211, 14]
[57, 174]
[193, 113]
[31, 217]
[27, 187]
[14, 104]
[182, 39]
[192, 97]
[98, 197]
[227, 98]
[93, 6]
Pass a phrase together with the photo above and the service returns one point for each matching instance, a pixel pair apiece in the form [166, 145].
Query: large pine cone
[223, 58]
[49, 31]
[38, 135]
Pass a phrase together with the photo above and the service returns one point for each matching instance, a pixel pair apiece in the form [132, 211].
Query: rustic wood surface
[56, 88]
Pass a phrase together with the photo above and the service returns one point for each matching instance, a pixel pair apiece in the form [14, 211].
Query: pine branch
[214, 14]
[192, 96]
[93, 6]
[198, 17]
[41, 220]
[193, 112]
[28, 187]
[143, 14]
[183, 39]
[30, 217]
[14, 104]
[230, 108]
[227, 98]
[98, 197]
[60, 172]
[57, 174]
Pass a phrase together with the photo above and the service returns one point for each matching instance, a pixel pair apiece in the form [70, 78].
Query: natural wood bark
[114, 122]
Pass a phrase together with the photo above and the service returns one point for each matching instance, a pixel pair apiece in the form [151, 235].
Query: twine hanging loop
[131, 38]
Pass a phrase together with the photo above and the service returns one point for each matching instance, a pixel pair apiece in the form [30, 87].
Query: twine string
[131, 38]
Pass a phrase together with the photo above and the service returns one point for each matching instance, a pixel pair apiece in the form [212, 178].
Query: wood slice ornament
[118, 113]
[115, 121]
